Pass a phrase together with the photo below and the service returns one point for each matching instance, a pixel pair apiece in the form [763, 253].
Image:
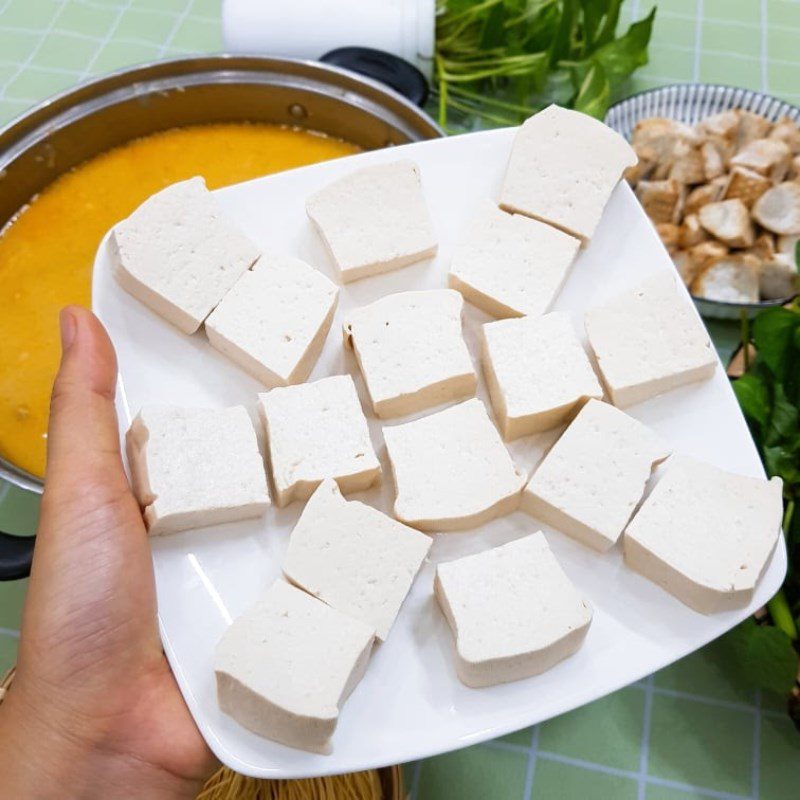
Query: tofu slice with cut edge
[316, 431]
[729, 221]
[509, 265]
[778, 278]
[662, 200]
[649, 340]
[512, 610]
[179, 254]
[593, 478]
[730, 279]
[285, 667]
[537, 372]
[451, 469]
[274, 321]
[410, 351]
[705, 535]
[192, 467]
[354, 558]
[563, 167]
[778, 209]
[374, 220]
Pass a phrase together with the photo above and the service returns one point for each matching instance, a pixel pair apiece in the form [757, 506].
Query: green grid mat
[49, 45]
[689, 731]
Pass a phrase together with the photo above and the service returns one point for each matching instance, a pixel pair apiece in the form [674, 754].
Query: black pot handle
[16, 555]
[387, 68]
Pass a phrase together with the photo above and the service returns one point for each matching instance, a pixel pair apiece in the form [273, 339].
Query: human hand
[94, 711]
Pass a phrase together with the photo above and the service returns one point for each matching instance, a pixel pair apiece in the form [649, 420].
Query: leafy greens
[501, 60]
[769, 394]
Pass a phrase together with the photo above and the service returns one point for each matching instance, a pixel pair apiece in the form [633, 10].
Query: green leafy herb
[501, 60]
[593, 92]
[762, 655]
[769, 394]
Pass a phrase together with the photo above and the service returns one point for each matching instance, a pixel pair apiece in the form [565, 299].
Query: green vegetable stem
[499, 61]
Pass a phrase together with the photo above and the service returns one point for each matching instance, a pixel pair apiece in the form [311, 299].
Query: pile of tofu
[286, 666]
[724, 196]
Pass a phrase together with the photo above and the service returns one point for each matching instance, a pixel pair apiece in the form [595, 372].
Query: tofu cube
[537, 372]
[451, 469]
[374, 220]
[316, 431]
[354, 558]
[705, 535]
[286, 666]
[179, 254]
[563, 167]
[274, 321]
[513, 611]
[410, 351]
[192, 467]
[649, 340]
[509, 265]
[593, 478]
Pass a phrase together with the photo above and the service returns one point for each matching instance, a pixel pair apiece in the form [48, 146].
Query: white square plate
[411, 704]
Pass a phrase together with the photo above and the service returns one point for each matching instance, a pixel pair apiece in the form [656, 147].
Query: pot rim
[21, 130]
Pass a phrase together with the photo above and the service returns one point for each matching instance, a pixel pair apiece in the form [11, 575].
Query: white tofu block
[510, 265]
[649, 340]
[537, 372]
[563, 167]
[192, 467]
[451, 469]
[411, 352]
[274, 321]
[705, 535]
[593, 478]
[286, 666]
[513, 611]
[374, 220]
[317, 431]
[354, 558]
[179, 254]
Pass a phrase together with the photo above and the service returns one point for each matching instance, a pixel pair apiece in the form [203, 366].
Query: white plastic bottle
[311, 28]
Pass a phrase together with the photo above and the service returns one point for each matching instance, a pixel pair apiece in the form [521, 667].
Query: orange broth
[47, 252]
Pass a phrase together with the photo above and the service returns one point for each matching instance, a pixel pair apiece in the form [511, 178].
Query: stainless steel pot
[66, 130]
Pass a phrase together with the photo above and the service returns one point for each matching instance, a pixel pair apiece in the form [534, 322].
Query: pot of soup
[78, 163]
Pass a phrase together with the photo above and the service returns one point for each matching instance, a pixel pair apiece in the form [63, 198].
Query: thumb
[91, 593]
[83, 448]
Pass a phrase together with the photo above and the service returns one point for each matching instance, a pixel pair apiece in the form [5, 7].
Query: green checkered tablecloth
[689, 731]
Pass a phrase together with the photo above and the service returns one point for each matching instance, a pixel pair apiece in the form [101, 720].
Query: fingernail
[66, 320]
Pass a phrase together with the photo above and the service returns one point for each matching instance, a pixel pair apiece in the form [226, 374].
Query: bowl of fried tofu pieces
[719, 176]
